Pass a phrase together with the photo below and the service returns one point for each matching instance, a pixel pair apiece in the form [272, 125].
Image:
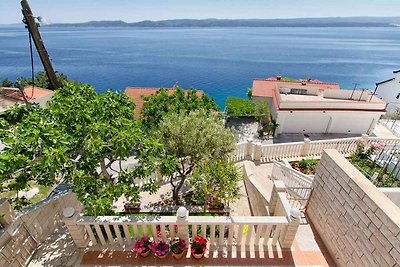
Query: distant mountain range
[300, 22]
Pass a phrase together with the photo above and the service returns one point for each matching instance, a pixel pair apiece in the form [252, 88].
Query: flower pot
[218, 208]
[131, 207]
[198, 256]
[163, 256]
[178, 256]
[145, 254]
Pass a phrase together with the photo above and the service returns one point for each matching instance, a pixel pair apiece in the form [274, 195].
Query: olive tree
[188, 140]
[215, 181]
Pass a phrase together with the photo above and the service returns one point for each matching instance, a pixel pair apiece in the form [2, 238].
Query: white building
[316, 107]
[389, 90]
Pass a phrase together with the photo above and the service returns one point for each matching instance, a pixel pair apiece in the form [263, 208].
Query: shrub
[240, 107]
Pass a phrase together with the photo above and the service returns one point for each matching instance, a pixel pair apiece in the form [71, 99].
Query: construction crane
[32, 26]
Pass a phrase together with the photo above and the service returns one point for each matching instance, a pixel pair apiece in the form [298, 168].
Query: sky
[137, 10]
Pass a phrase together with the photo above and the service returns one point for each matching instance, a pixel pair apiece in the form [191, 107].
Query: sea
[220, 61]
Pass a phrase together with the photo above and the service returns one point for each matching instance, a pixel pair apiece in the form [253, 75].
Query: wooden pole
[32, 26]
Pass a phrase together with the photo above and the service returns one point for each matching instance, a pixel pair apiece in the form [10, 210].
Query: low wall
[392, 193]
[359, 225]
[258, 197]
[43, 218]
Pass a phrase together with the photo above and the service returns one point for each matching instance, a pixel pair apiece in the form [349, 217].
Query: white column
[182, 216]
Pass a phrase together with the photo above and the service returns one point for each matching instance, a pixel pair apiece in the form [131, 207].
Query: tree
[215, 180]
[77, 138]
[250, 93]
[161, 103]
[263, 113]
[188, 140]
[41, 80]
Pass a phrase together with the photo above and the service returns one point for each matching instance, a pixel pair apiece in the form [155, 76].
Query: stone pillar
[182, 216]
[306, 147]
[77, 232]
[279, 186]
[249, 148]
[257, 153]
[287, 237]
[364, 139]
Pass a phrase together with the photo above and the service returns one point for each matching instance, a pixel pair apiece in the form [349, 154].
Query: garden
[378, 162]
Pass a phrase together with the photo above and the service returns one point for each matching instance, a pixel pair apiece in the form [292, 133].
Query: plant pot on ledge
[215, 206]
[132, 207]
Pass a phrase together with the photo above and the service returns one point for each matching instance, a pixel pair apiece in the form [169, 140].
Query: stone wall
[255, 192]
[359, 225]
[43, 218]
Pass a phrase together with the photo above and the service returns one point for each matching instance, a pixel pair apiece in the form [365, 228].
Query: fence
[296, 150]
[298, 185]
[223, 232]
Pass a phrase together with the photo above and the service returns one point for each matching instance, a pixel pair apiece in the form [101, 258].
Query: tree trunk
[177, 189]
[107, 176]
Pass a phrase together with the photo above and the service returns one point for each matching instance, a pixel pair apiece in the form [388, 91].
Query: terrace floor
[307, 249]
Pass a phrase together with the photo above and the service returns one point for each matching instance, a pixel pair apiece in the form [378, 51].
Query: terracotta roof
[265, 87]
[136, 93]
[31, 93]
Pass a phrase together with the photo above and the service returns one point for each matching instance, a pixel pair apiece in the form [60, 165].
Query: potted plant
[143, 246]
[198, 247]
[215, 205]
[132, 206]
[160, 249]
[178, 248]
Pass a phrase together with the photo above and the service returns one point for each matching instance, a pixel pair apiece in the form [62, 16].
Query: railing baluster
[127, 234]
[267, 234]
[100, 234]
[276, 235]
[212, 236]
[118, 233]
[221, 236]
[163, 236]
[249, 234]
[230, 237]
[203, 230]
[108, 232]
[91, 235]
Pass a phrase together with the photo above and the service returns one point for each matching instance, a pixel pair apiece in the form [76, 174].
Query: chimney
[303, 82]
[278, 77]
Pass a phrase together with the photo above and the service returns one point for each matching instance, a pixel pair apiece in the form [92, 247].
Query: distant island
[206, 23]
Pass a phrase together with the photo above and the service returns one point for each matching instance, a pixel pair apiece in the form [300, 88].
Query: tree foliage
[188, 140]
[41, 80]
[240, 107]
[215, 180]
[158, 105]
[78, 138]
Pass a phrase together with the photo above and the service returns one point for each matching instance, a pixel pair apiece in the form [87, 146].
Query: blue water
[221, 61]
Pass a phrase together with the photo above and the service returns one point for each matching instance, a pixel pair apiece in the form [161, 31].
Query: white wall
[389, 90]
[354, 122]
[392, 193]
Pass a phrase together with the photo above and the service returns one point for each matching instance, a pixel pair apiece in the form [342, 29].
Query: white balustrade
[221, 232]
[296, 150]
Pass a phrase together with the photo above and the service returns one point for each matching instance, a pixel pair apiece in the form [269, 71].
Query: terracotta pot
[163, 256]
[198, 256]
[145, 254]
[178, 256]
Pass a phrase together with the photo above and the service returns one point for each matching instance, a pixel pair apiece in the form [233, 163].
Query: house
[10, 96]
[312, 106]
[137, 94]
[389, 90]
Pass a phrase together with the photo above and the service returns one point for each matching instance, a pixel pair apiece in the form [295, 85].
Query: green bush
[308, 165]
[240, 107]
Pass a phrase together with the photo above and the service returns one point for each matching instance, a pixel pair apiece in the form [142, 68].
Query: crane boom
[32, 26]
